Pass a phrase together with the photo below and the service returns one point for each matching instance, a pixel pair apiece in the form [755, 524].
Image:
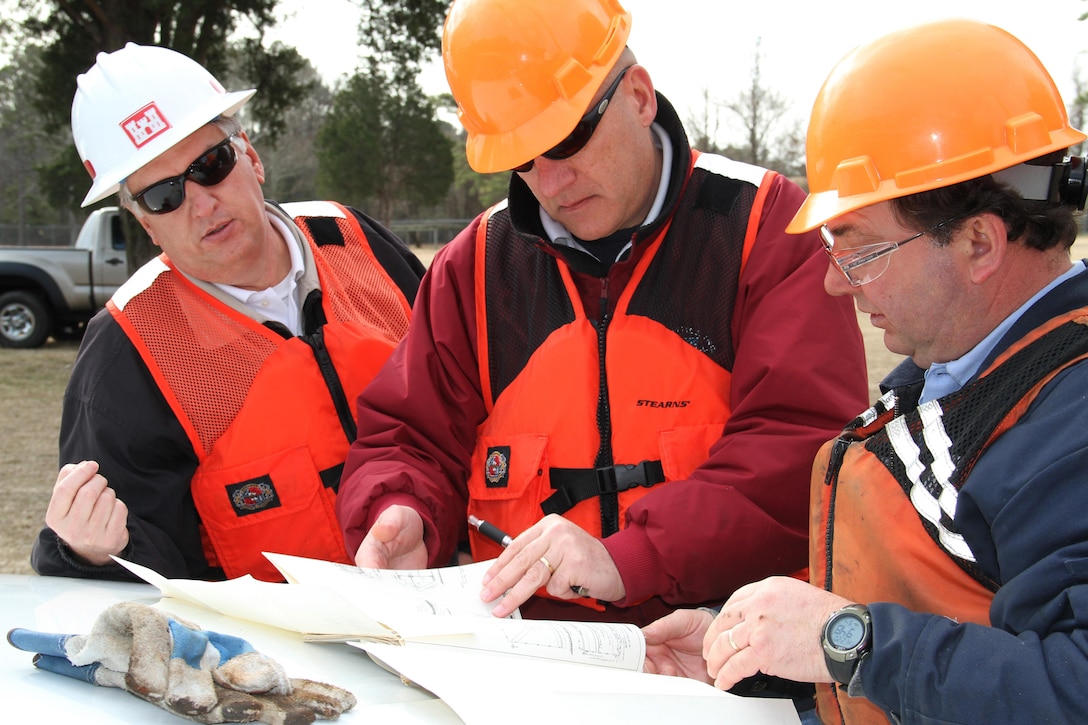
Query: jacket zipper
[316, 341]
[609, 502]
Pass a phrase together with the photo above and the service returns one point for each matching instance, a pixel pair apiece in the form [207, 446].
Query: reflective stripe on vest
[262, 414]
[885, 517]
[612, 406]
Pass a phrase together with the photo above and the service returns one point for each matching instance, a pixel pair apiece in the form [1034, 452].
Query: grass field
[32, 384]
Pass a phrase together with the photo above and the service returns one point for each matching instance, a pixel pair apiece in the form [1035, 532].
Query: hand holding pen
[553, 553]
[504, 540]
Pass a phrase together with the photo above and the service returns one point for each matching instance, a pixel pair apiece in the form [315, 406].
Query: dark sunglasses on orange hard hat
[579, 137]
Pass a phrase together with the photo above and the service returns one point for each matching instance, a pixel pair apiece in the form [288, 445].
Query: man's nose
[552, 176]
[834, 282]
[202, 199]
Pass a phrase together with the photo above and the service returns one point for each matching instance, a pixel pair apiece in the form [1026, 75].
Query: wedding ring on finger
[548, 564]
[732, 642]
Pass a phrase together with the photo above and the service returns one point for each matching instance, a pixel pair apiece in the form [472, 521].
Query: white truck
[50, 290]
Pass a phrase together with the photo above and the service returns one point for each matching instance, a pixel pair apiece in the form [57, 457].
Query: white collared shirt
[278, 303]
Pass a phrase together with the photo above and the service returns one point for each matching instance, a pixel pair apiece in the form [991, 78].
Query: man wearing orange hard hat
[209, 410]
[949, 559]
[626, 366]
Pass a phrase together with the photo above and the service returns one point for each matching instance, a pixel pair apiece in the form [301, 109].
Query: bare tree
[761, 111]
[290, 161]
[705, 124]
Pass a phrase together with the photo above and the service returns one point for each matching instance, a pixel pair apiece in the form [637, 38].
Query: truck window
[117, 237]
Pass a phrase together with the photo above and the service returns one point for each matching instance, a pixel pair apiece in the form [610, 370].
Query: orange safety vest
[883, 525]
[270, 419]
[585, 416]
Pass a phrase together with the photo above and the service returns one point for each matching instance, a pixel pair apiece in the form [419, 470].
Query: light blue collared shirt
[946, 378]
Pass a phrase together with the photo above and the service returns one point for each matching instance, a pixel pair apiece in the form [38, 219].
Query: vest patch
[325, 231]
[256, 494]
[497, 467]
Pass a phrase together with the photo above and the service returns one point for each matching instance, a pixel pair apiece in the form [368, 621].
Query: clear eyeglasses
[861, 265]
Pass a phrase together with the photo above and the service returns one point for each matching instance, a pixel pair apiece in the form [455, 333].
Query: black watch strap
[842, 670]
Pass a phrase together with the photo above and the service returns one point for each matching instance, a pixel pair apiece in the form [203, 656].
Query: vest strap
[574, 485]
[330, 477]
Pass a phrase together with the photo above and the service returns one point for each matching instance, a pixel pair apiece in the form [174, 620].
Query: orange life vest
[270, 419]
[883, 525]
[584, 416]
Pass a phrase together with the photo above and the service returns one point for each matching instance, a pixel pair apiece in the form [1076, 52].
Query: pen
[491, 531]
[504, 540]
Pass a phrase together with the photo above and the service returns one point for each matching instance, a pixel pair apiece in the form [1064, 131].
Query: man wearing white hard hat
[211, 404]
[949, 542]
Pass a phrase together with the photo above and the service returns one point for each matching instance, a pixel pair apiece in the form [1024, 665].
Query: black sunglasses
[209, 169]
[579, 137]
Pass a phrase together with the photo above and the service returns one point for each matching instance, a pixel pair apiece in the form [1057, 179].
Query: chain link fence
[50, 235]
[414, 232]
[427, 232]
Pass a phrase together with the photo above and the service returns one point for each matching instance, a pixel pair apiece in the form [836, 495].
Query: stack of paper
[431, 628]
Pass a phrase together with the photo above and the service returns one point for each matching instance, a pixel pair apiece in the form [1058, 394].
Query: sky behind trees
[689, 45]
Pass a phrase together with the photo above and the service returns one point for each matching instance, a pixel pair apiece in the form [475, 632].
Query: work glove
[204, 676]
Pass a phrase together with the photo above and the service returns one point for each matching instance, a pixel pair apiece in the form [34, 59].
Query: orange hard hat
[927, 107]
[523, 72]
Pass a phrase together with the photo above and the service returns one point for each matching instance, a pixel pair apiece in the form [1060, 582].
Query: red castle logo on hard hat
[145, 124]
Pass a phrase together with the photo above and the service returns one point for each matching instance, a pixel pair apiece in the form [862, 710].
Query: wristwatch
[847, 639]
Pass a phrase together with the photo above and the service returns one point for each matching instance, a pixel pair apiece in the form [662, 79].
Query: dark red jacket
[798, 375]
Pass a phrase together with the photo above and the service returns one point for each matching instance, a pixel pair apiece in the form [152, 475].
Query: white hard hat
[134, 104]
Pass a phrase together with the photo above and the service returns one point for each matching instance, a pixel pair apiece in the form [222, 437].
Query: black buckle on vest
[574, 485]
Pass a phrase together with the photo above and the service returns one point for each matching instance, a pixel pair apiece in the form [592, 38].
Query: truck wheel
[24, 320]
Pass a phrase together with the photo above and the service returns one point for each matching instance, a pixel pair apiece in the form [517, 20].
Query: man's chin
[897, 346]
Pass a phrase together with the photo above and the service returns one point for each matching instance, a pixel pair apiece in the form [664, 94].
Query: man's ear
[258, 167]
[642, 90]
[988, 245]
[142, 218]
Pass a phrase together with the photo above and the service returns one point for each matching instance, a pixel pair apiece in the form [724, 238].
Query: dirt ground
[32, 383]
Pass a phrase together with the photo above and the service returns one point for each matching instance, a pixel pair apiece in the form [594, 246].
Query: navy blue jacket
[1024, 512]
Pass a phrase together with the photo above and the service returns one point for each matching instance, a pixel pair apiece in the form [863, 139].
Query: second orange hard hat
[923, 108]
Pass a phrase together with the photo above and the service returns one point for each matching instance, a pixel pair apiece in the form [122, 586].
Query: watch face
[846, 632]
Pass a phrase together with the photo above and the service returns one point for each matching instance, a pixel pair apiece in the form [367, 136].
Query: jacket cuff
[78, 564]
[642, 574]
[430, 531]
[389, 500]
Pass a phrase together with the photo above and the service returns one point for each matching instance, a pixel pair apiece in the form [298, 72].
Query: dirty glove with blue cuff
[204, 676]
